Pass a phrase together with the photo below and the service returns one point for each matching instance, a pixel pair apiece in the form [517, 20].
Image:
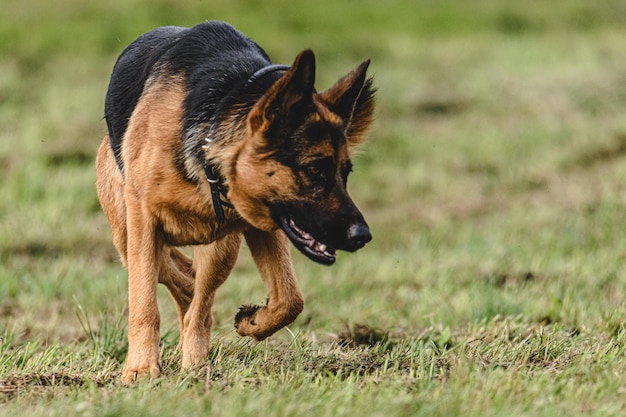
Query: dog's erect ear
[341, 97]
[352, 99]
[287, 96]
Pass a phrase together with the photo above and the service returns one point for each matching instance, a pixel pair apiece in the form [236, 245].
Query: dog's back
[212, 56]
[129, 75]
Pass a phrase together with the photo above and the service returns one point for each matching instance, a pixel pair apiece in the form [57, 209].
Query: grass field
[493, 182]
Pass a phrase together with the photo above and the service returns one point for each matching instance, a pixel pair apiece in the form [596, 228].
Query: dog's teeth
[322, 248]
[302, 233]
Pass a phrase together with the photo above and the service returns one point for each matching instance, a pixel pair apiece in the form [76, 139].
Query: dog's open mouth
[315, 250]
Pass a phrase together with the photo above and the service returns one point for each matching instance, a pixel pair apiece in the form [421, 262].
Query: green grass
[492, 181]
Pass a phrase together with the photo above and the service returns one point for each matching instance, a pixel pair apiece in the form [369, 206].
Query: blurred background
[492, 179]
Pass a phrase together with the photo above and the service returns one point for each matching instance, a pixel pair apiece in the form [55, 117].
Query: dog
[210, 143]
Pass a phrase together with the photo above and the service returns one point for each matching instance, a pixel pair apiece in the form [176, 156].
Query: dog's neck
[211, 170]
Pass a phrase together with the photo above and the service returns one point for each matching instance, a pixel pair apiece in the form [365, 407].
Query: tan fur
[153, 208]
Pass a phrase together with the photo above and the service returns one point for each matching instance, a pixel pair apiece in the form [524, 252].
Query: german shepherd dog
[209, 142]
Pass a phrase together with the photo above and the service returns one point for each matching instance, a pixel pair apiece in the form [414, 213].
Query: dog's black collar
[266, 70]
[218, 189]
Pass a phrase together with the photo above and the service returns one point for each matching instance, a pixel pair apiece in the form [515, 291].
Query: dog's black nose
[358, 235]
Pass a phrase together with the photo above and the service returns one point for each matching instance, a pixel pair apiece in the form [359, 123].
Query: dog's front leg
[144, 249]
[270, 251]
[213, 264]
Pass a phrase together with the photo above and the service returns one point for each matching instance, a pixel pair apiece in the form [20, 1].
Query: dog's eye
[314, 170]
[319, 170]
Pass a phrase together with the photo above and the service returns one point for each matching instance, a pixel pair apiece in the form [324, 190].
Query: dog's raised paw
[244, 319]
[246, 312]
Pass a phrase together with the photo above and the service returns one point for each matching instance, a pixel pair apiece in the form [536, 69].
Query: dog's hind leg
[110, 188]
[213, 263]
[270, 251]
[177, 275]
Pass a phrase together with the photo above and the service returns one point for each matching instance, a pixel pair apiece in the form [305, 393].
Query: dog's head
[293, 168]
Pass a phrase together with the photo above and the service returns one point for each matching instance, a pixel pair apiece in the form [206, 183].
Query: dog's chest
[184, 227]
